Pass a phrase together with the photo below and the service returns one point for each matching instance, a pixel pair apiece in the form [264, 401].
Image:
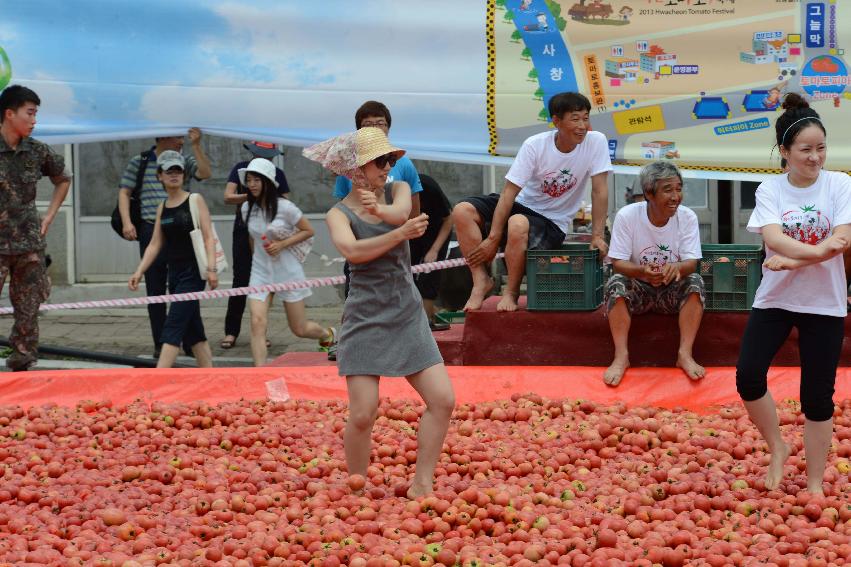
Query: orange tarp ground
[665, 387]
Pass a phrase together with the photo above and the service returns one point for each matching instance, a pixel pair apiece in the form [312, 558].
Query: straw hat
[345, 153]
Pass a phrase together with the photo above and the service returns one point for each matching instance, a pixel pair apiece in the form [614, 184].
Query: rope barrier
[222, 293]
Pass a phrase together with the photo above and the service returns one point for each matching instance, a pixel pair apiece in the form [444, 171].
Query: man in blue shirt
[375, 114]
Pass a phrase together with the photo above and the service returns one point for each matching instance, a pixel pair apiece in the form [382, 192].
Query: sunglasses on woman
[382, 161]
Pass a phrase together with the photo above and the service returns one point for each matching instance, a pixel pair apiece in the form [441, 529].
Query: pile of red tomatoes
[526, 481]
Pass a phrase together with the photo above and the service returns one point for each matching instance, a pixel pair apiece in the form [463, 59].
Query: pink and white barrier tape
[220, 293]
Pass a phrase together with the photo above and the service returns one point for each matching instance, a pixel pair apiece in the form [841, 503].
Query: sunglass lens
[382, 161]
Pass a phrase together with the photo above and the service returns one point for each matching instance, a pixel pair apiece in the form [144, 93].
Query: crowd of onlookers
[389, 217]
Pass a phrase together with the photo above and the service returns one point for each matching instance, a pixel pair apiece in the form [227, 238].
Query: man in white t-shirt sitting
[655, 250]
[543, 191]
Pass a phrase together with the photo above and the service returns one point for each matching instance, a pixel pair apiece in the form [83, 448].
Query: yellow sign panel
[646, 119]
[665, 70]
[595, 80]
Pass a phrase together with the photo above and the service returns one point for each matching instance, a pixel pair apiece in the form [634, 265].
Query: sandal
[227, 343]
[268, 343]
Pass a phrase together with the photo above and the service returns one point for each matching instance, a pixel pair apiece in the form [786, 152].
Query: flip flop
[227, 343]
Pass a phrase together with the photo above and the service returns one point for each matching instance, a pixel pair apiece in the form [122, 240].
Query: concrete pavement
[126, 331]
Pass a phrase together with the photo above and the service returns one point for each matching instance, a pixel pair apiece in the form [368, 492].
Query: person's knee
[518, 229]
[444, 404]
[465, 213]
[258, 322]
[818, 405]
[751, 383]
[362, 417]
[615, 292]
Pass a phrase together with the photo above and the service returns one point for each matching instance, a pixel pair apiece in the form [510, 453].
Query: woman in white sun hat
[281, 238]
[385, 331]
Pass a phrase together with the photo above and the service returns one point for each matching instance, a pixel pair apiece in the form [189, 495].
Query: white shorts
[286, 296]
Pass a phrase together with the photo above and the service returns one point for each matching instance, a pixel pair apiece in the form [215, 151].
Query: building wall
[101, 256]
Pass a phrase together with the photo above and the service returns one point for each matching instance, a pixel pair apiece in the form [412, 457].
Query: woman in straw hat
[281, 237]
[385, 331]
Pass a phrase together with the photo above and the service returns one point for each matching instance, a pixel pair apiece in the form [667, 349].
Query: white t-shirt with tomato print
[807, 215]
[552, 182]
[636, 239]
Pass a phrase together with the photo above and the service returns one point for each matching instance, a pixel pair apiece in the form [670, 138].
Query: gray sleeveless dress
[385, 331]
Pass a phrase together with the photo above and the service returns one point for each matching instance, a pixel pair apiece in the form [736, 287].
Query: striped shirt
[152, 190]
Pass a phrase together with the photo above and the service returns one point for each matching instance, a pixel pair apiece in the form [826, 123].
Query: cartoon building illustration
[659, 149]
[625, 13]
[623, 68]
[654, 58]
[768, 47]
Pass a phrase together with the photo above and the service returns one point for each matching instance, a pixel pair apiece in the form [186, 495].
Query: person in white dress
[281, 237]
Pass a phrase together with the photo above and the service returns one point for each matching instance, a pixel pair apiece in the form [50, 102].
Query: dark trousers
[183, 323]
[27, 290]
[820, 343]
[241, 276]
[156, 283]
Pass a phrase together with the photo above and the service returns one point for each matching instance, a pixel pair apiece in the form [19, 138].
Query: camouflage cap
[169, 159]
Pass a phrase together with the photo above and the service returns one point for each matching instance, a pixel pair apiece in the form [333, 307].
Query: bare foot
[692, 369]
[775, 467]
[416, 491]
[508, 302]
[819, 491]
[613, 374]
[478, 295]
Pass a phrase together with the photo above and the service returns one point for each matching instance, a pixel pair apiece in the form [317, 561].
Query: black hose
[98, 356]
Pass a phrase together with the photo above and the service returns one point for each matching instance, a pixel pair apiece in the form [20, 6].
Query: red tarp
[665, 387]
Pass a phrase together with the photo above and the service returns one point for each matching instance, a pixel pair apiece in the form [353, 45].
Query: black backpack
[135, 197]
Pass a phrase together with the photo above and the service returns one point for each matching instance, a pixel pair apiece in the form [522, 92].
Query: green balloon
[5, 69]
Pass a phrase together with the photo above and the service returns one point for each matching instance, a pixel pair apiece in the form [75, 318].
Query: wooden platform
[582, 338]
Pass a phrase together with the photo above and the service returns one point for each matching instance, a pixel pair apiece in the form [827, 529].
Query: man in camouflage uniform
[23, 161]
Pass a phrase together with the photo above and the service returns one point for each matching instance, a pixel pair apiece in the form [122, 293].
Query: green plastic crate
[567, 279]
[450, 316]
[730, 286]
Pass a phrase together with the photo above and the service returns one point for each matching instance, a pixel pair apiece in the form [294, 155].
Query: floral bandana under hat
[345, 153]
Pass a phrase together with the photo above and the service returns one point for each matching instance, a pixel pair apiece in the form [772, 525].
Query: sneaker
[20, 362]
[326, 344]
[438, 326]
[332, 353]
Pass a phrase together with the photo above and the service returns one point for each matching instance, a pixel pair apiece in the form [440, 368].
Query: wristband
[211, 270]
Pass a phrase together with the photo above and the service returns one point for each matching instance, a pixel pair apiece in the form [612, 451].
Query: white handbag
[198, 242]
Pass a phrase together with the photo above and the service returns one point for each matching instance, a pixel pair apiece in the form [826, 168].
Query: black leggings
[820, 342]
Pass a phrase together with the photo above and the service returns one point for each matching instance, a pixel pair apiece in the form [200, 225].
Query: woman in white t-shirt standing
[278, 233]
[804, 217]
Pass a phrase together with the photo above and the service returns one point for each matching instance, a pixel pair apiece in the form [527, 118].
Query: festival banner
[282, 71]
[697, 82]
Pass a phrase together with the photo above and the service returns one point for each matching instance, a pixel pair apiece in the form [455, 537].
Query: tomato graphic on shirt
[556, 184]
[806, 225]
[657, 255]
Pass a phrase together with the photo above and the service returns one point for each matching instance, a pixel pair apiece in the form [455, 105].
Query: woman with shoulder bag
[172, 230]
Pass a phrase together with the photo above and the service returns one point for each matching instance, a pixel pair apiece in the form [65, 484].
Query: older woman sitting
[654, 252]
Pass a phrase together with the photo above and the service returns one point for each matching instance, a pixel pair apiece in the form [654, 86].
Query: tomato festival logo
[658, 255]
[559, 183]
[806, 225]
